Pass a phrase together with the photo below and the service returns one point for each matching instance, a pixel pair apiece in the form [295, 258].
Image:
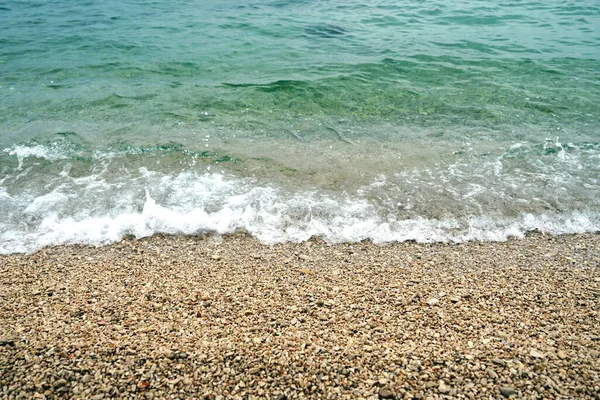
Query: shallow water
[387, 121]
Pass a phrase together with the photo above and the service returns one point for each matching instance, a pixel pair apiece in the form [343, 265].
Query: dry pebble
[194, 317]
[507, 391]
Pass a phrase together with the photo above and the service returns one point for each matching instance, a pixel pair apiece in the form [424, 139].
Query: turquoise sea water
[382, 120]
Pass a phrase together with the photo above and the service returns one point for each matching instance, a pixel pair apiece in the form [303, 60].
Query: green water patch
[427, 90]
[419, 89]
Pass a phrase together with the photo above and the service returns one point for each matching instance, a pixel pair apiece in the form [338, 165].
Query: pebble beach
[184, 317]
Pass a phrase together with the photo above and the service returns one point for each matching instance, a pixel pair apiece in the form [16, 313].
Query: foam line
[215, 204]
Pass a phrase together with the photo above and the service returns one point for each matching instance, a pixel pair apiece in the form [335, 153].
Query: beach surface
[220, 318]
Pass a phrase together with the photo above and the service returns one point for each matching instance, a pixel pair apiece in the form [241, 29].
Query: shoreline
[203, 317]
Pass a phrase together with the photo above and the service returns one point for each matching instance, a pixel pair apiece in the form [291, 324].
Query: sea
[380, 120]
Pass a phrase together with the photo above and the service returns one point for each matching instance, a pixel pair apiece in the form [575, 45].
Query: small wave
[325, 30]
[191, 204]
[56, 151]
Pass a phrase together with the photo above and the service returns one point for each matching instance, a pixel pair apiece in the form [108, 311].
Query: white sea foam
[54, 152]
[473, 198]
[213, 203]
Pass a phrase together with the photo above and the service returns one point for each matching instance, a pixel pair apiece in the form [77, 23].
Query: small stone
[443, 388]
[507, 391]
[304, 257]
[561, 354]
[7, 342]
[432, 302]
[536, 354]
[66, 374]
[305, 271]
[383, 381]
[60, 383]
[492, 374]
[499, 361]
[454, 299]
[216, 257]
[386, 393]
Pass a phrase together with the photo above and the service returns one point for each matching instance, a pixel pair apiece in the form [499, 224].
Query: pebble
[507, 391]
[433, 301]
[536, 354]
[443, 388]
[499, 361]
[561, 354]
[386, 393]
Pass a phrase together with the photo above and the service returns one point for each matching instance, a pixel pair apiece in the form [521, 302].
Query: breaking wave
[99, 213]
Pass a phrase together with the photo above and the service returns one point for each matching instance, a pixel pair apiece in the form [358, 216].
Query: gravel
[230, 318]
